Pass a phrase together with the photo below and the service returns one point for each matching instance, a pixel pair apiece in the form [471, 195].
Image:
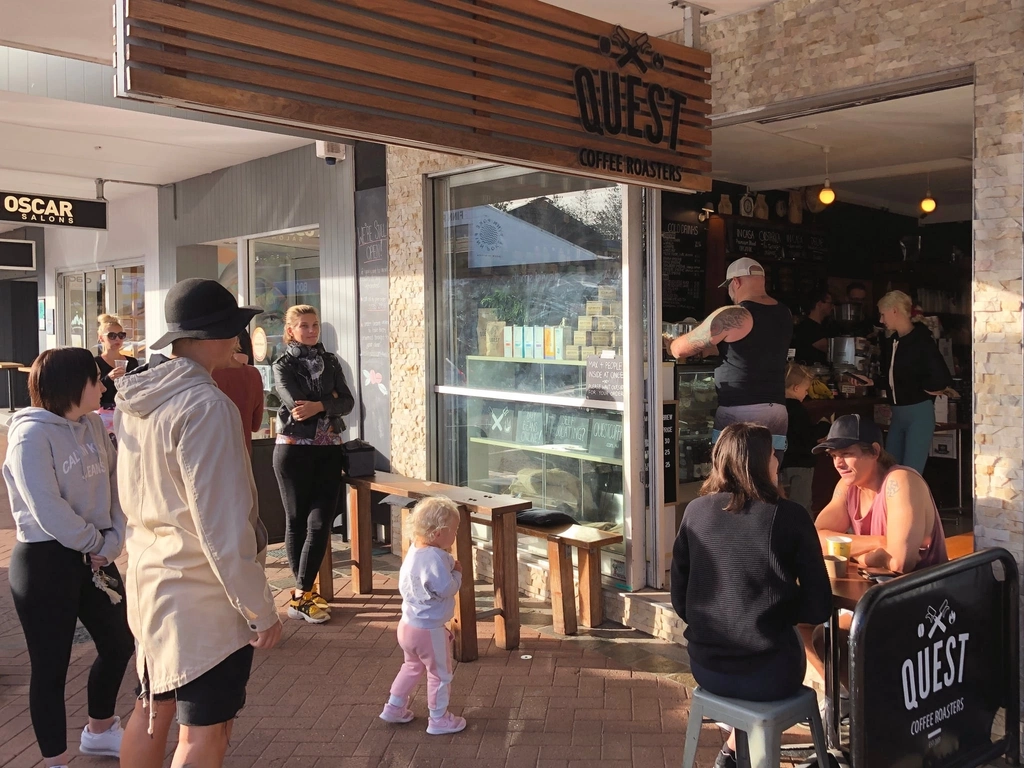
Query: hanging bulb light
[827, 195]
[928, 204]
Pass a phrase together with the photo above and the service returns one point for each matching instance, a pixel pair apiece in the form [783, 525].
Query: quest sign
[53, 211]
[516, 81]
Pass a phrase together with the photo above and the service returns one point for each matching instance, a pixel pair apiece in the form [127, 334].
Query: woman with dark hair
[61, 479]
[746, 569]
[241, 382]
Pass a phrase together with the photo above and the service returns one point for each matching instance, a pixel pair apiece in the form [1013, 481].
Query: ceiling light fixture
[706, 211]
[928, 204]
[827, 195]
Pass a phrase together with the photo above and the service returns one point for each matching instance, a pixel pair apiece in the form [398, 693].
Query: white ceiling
[880, 154]
[61, 147]
[83, 29]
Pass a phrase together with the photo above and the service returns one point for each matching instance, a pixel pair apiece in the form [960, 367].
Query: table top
[5, 366]
[847, 591]
[475, 502]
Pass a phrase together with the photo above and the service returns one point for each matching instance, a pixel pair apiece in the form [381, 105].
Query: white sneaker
[107, 743]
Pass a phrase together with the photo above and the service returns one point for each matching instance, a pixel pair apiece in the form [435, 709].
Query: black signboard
[605, 378]
[606, 436]
[530, 426]
[18, 254]
[683, 263]
[773, 242]
[934, 660]
[499, 421]
[570, 430]
[371, 211]
[44, 210]
[670, 452]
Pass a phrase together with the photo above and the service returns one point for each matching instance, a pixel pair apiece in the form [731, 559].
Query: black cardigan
[331, 389]
[742, 580]
[107, 398]
[919, 367]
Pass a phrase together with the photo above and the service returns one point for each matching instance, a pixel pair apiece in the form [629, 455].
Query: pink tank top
[876, 523]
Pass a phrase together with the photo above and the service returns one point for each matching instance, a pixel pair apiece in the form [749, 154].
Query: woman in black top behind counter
[746, 569]
[913, 371]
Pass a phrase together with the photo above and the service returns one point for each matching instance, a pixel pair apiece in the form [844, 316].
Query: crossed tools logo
[631, 50]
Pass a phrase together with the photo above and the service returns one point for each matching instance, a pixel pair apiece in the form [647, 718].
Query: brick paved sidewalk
[314, 701]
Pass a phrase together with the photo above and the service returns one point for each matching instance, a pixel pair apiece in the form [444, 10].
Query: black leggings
[52, 588]
[310, 480]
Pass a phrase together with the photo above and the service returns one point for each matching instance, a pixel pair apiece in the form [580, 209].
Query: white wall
[131, 237]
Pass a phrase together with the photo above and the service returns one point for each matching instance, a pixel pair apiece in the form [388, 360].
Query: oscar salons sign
[516, 81]
[53, 211]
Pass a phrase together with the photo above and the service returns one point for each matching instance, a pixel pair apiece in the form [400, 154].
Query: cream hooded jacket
[196, 593]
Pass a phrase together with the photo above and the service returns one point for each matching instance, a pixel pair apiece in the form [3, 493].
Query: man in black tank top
[752, 337]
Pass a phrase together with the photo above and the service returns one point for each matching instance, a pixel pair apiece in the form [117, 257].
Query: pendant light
[928, 204]
[827, 195]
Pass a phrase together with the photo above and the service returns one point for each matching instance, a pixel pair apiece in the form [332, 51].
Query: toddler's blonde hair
[432, 514]
[797, 375]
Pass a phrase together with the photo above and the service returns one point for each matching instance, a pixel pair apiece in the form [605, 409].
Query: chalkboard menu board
[761, 240]
[684, 247]
[371, 213]
[605, 378]
[570, 430]
[669, 450]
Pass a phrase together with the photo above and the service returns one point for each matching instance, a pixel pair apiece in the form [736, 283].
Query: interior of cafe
[848, 203]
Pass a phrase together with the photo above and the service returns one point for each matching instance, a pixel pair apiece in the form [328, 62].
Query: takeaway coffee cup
[836, 566]
[121, 364]
[839, 546]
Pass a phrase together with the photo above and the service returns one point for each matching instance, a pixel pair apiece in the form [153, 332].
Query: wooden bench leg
[563, 596]
[324, 583]
[506, 582]
[464, 621]
[360, 539]
[591, 597]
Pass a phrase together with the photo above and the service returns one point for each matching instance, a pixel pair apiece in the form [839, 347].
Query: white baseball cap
[745, 267]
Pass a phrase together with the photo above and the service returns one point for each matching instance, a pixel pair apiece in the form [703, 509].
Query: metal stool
[759, 726]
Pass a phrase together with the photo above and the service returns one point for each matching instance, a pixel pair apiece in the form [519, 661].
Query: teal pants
[910, 434]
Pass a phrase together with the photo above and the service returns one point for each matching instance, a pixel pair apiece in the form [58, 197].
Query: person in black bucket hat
[886, 511]
[200, 602]
[202, 309]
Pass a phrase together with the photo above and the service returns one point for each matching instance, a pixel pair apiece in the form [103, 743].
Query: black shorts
[216, 696]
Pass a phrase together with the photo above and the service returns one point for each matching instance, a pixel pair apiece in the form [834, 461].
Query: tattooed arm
[724, 324]
[910, 520]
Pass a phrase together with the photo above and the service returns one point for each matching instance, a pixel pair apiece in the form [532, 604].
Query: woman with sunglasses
[113, 365]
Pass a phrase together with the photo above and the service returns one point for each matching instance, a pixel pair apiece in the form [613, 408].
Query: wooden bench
[588, 542]
[499, 510]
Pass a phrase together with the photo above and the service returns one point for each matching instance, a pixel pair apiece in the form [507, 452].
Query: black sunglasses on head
[113, 335]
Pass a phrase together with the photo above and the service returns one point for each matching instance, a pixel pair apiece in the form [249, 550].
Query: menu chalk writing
[568, 429]
[763, 240]
[605, 378]
[683, 263]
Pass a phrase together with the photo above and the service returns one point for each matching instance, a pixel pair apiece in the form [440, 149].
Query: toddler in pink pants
[429, 580]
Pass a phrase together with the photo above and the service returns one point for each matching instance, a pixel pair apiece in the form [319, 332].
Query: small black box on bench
[359, 458]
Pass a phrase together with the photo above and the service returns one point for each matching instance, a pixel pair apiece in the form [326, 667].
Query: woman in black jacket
[746, 569]
[308, 454]
[914, 372]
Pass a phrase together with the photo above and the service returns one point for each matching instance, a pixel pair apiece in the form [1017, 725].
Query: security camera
[330, 151]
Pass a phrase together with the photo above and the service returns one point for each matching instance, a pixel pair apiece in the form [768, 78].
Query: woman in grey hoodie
[61, 481]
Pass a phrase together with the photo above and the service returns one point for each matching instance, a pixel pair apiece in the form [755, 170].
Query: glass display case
[529, 269]
[695, 393]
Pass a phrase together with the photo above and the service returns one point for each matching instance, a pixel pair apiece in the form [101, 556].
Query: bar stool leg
[10, 389]
[765, 748]
[694, 722]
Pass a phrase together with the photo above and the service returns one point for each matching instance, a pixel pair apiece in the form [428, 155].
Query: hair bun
[106, 319]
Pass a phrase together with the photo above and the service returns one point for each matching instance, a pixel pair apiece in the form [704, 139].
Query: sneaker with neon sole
[446, 723]
[304, 608]
[107, 743]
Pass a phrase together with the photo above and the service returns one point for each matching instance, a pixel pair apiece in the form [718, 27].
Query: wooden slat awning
[516, 81]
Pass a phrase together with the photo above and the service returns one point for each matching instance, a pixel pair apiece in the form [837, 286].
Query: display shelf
[532, 360]
[547, 451]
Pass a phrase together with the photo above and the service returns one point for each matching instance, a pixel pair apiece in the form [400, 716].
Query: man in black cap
[885, 510]
[198, 596]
